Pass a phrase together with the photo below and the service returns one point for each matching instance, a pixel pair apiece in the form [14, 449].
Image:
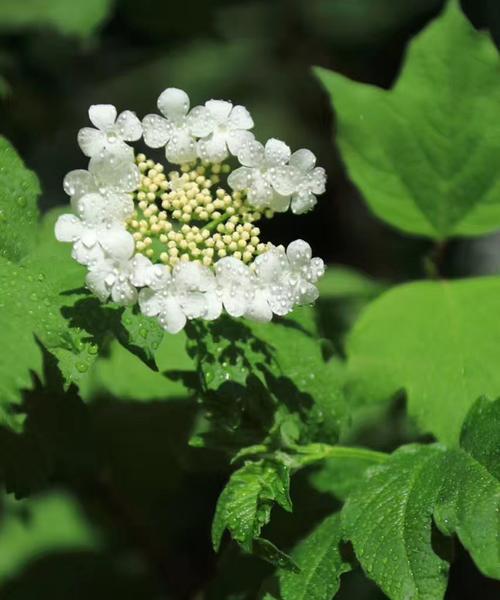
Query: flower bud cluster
[184, 242]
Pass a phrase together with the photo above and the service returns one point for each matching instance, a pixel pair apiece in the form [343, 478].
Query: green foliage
[344, 292]
[388, 521]
[388, 518]
[424, 153]
[47, 523]
[321, 564]
[244, 506]
[439, 341]
[19, 190]
[42, 299]
[469, 502]
[31, 308]
[79, 19]
[267, 384]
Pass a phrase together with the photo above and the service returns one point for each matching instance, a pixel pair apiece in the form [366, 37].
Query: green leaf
[141, 384]
[388, 521]
[388, 517]
[343, 293]
[469, 503]
[269, 380]
[244, 505]
[268, 551]
[339, 476]
[480, 435]
[79, 19]
[48, 523]
[439, 341]
[56, 441]
[321, 564]
[424, 152]
[31, 307]
[19, 190]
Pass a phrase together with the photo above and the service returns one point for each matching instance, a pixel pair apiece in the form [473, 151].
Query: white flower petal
[236, 305]
[317, 181]
[96, 282]
[68, 228]
[240, 118]
[150, 302]
[281, 302]
[157, 131]
[279, 203]
[213, 306]
[306, 293]
[123, 292]
[194, 304]
[234, 280]
[283, 179]
[118, 207]
[116, 172]
[174, 104]
[239, 138]
[128, 126]
[219, 109]
[87, 256]
[299, 254]
[260, 193]
[201, 121]
[172, 318]
[316, 269]
[269, 266]
[251, 154]
[102, 116]
[141, 268]
[303, 202]
[240, 179]
[159, 278]
[91, 141]
[78, 183]
[303, 159]
[88, 237]
[276, 152]
[181, 147]
[213, 148]
[187, 276]
[92, 209]
[117, 242]
[259, 309]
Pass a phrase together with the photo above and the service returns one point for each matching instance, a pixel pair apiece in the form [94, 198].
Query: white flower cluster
[129, 225]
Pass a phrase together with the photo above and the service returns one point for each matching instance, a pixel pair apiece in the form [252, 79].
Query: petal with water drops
[174, 104]
[128, 126]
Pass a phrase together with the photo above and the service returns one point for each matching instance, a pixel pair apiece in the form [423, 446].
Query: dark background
[257, 53]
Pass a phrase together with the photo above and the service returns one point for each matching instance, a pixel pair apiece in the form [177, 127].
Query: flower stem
[312, 453]
[211, 226]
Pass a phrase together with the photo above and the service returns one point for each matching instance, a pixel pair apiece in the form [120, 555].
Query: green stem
[315, 452]
[211, 226]
[433, 262]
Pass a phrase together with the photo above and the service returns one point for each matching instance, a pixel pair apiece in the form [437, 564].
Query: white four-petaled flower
[113, 177]
[265, 175]
[174, 129]
[223, 129]
[118, 275]
[111, 133]
[309, 181]
[188, 292]
[98, 229]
